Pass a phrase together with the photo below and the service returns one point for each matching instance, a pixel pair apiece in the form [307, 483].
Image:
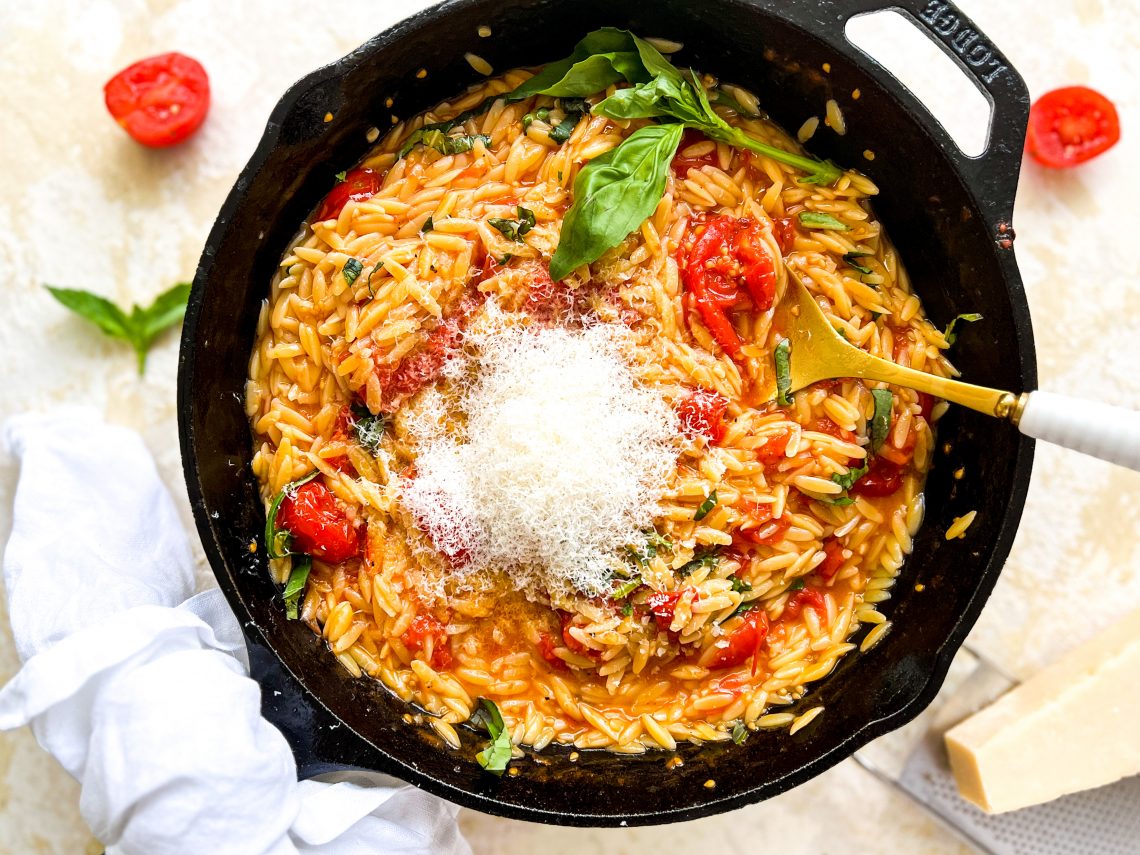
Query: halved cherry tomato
[825, 425]
[785, 231]
[744, 642]
[805, 599]
[424, 629]
[718, 257]
[883, 478]
[769, 531]
[681, 164]
[1071, 125]
[833, 560]
[662, 605]
[341, 463]
[774, 450]
[546, 647]
[569, 640]
[318, 523]
[701, 413]
[160, 100]
[359, 183]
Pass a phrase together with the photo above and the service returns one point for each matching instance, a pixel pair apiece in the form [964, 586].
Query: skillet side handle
[1090, 427]
[993, 174]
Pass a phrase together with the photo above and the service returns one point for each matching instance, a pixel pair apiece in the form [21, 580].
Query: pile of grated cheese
[558, 461]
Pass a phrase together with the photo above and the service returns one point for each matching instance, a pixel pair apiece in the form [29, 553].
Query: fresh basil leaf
[446, 127]
[352, 269]
[278, 540]
[371, 273]
[704, 559]
[950, 335]
[514, 229]
[706, 506]
[564, 129]
[797, 585]
[341, 176]
[657, 542]
[495, 757]
[853, 475]
[623, 591]
[606, 41]
[817, 220]
[881, 420]
[298, 576]
[613, 195]
[368, 428]
[739, 585]
[140, 328]
[725, 99]
[429, 225]
[442, 142]
[627, 608]
[739, 733]
[850, 257]
[783, 359]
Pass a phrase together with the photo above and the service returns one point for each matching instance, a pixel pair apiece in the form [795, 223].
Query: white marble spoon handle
[1110, 433]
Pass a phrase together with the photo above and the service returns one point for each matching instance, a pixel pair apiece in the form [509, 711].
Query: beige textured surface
[84, 207]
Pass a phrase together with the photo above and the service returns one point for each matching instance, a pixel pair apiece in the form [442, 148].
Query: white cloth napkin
[148, 703]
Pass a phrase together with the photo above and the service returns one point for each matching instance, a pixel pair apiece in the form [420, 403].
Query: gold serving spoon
[817, 352]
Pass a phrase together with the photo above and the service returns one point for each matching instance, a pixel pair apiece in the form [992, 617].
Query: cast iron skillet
[947, 213]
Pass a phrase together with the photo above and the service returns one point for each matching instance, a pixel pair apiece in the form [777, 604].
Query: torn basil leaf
[298, 576]
[950, 335]
[341, 176]
[514, 229]
[739, 585]
[623, 591]
[739, 733]
[850, 257]
[797, 585]
[278, 540]
[368, 429]
[846, 481]
[783, 359]
[495, 757]
[816, 220]
[441, 141]
[351, 270]
[881, 420]
[706, 506]
[427, 226]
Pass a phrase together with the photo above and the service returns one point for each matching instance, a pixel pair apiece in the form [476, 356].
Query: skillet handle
[1110, 433]
[993, 174]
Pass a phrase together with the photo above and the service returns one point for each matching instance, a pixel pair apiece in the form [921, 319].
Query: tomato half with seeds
[1070, 126]
[359, 183]
[701, 413]
[774, 450]
[319, 525]
[424, 632]
[768, 531]
[805, 599]
[160, 100]
[743, 642]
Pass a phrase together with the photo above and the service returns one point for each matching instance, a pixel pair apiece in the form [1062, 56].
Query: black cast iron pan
[947, 213]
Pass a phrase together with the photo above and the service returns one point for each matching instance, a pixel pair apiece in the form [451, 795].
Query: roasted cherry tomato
[701, 413]
[883, 478]
[825, 425]
[805, 599]
[926, 403]
[785, 231]
[768, 531]
[569, 640]
[427, 631]
[318, 523]
[721, 256]
[681, 164]
[160, 100]
[662, 605]
[546, 648]
[744, 642]
[359, 183]
[833, 558]
[774, 450]
[1071, 125]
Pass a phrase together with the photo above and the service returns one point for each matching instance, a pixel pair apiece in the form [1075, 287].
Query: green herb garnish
[739, 585]
[881, 420]
[433, 137]
[797, 585]
[139, 328]
[739, 733]
[514, 229]
[623, 591]
[950, 335]
[341, 176]
[278, 540]
[706, 506]
[724, 99]
[848, 480]
[627, 608]
[351, 270]
[298, 576]
[371, 273]
[704, 559]
[783, 359]
[816, 220]
[428, 226]
[368, 428]
[495, 757]
[850, 257]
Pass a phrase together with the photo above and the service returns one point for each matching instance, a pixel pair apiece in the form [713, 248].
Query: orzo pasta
[567, 497]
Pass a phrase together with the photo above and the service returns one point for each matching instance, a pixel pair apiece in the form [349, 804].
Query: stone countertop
[84, 207]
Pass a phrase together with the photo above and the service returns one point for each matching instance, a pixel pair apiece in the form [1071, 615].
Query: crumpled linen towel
[144, 695]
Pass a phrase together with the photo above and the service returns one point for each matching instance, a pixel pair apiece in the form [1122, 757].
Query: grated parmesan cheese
[557, 461]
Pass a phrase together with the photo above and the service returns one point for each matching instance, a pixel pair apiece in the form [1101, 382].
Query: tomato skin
[721, 255]
[546, 647]
[926, 406]
[883, 478]
[701, 413]
[805, 599]
[833, 560]
[785, 231]
[1071, 125]
[662, 605]
[774, 450]
[744, 642]
[681, 165]
[825, 425]
[359, 183]
[769, 531]
[160, 100]
[422, 628]
[318, 523]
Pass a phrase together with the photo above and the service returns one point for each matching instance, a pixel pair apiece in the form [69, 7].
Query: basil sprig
[495, 757]
[613, 195]
[278, 540]
[881, 420]
[140, 327]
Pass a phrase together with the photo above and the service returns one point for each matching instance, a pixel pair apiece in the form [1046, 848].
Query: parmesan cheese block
[1074, 726]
